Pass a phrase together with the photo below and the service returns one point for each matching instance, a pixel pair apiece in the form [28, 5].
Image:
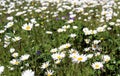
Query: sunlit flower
[24, 57]
[80, 58]
[58, 56]
[97, 65]
[12, 50]
[15, 55]
[27, 27]
[28, 73]
[10, 18]
[72, 35]
[45, 65]
[1, 69]
[48, 32]
[16, 39]
[9, 24]
[89, 55]
[15, 61]
[106, 58]
[49, 72]
[53, 50]
[87, 41]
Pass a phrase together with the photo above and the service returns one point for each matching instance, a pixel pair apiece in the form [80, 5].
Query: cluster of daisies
[39, 13]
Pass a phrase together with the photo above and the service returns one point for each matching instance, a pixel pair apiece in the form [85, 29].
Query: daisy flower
[49, 72]
[28, 73]
[97, 65]
[1, 69]
[24, 57]
[27, 27]
[45, 65]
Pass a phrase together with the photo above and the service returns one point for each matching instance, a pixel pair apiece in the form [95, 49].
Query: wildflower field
[59, 37]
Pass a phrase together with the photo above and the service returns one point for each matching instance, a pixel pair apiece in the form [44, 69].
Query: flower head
[24, 57]
[28, 73]
[97, 65]
[49, 72]
[27, 27]
[1, 69]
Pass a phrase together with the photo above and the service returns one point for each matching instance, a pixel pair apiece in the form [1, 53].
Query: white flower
[72, 15]
[15, 61]
[112, 23]
[73, 55]
[49, 72]
[12, 50]
[94, 46]
[57, 61]
[27, 27]
[87, 49]
[45, 65]
[33, 21]
[9, 24]
[86, 31]
[67, 45]
[1, 69]
[87, 41]
[16, 39]
[37, 24]
[97, 65]
[75, 27]
[2, 31]
[73, 51]
[72, 35]
[28, 73]
[89, 55]
[10, 18]
[70, 21]
[58, 56]
[24, 57]
[53, 50]
[100, 29]
[48, 32]
[106, 58]
[97, 54]
[15, 55]
[80, 58]
[61, 30]
[96, 41]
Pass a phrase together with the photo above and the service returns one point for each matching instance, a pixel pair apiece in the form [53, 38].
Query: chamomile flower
[15, 61]
[97, 65]
[45, 65]
[49, 72]
[54, 50]
[72, 35]
[9, 24]
[24, 57]
[28, 72]
[16, 39]
[58, 56]
[80, 58]
[1, 69]
[15, 55]
[27, 27]
[12, 50]
[106, 58]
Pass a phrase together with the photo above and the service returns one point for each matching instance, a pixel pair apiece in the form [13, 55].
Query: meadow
[59, 38]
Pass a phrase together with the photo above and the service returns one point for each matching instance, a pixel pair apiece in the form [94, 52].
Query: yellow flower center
[59, 57]
[48, 75]
[67, 46]
[16, 62]
[28, 28]
[80, 58]
[97, 66]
